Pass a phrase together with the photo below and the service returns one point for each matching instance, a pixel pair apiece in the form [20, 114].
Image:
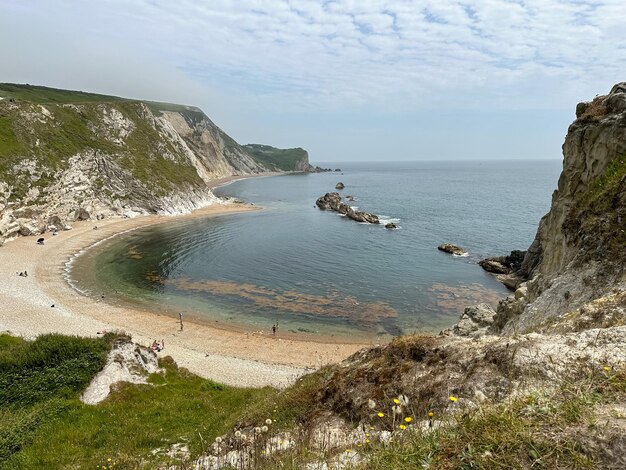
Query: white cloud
[342, 54]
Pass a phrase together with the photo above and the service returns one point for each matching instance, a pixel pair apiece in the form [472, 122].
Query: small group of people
[23, 274]
[158, 347]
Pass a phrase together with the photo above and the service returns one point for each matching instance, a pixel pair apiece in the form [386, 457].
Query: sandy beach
[231, 356]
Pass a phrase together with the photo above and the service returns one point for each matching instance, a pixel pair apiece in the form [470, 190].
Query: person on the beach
[180, 319]
[274, 329]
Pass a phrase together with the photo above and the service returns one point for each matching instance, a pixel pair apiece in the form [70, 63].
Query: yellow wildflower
[607, 368]
[453, 399]
[109, 459]
[408, 419]
[367, 441]
[381, 414]
[396, 401]
[431, 414]
[403, 427]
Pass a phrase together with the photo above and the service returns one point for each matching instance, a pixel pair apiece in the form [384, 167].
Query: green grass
[42, 94]
[279, 159]
[70, 131]
[596, 218]
[37, 379]
[44, 425]
[555, 430]
[143, 156]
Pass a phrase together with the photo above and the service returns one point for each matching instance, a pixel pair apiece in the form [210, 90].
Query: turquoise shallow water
[318, 273]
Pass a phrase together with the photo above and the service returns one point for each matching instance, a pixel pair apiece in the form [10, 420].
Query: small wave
[385, 219]
[464, 255]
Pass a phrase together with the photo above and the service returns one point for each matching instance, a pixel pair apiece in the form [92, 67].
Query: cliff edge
[577, 257]
[67, 156]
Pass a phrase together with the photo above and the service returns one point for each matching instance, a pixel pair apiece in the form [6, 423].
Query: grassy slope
[42, 94]
[280, 159]
[44, 425]
[52, 142]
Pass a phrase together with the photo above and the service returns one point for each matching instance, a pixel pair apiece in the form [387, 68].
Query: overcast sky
[345, 79]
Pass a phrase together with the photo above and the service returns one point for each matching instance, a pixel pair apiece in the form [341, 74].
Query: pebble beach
[231, 356]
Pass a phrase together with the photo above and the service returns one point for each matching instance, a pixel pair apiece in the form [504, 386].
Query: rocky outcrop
[452, 249]
[332, 202]
[391, 226]
[340, 185]
[578, 253]
[475, 321]
[127, 362]
[507, 269]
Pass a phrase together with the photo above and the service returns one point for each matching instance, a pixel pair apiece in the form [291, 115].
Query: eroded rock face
[475, 321]
[127, 362]
[137, 161]
[578, 253]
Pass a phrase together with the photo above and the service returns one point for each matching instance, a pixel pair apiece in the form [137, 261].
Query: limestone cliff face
[578, 253]
[61, 162]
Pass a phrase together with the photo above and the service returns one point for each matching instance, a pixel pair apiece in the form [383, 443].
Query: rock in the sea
[339, 185]
[332, 202]
[507, 269]
[329, 202]
[492, 265]
[391, 225]
[349, 198]
[504, 264]
[363, 217]
[452, 249]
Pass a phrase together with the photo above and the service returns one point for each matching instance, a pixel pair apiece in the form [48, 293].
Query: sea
[317, 274]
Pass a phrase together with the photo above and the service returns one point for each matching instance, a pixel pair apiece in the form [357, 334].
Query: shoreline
[232, 356]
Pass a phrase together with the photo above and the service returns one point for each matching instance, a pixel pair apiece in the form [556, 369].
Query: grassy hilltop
[272, 158]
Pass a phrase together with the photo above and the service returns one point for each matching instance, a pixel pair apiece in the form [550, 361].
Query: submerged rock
[452, 249]
[339, 185]
[391, 225]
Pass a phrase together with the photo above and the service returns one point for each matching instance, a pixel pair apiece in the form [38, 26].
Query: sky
[348, 80]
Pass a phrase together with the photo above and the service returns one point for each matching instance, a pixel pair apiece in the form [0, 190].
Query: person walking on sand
[180, 319]
[274, 329]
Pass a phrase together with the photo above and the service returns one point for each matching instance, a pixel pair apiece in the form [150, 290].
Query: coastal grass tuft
[43, 424]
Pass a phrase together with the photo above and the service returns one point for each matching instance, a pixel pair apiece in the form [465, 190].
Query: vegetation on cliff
[66, 155]
[295, 159]
[45, 425]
